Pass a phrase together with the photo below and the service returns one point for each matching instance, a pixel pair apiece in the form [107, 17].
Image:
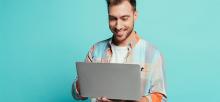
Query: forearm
[76, 91]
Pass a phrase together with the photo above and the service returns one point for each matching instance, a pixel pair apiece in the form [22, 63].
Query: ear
[135, 15]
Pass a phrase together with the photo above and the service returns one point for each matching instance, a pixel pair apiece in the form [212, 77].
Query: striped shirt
[139, 52]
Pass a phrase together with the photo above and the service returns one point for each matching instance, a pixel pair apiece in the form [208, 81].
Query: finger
[105, 99]
[98, 99]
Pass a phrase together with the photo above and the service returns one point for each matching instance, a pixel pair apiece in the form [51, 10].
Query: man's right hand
[103, 99]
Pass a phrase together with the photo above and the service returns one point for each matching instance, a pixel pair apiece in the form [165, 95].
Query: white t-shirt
[119, 54]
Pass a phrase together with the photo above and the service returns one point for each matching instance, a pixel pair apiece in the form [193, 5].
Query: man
[125, 46]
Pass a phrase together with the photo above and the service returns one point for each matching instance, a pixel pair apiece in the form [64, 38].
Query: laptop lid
[114, 81]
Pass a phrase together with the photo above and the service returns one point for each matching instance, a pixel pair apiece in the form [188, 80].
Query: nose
[118, 25]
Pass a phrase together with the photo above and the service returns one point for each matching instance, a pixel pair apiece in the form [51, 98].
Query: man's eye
[111, 18]
[125, 18]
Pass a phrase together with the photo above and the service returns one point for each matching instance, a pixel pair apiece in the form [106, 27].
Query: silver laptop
[114, 81]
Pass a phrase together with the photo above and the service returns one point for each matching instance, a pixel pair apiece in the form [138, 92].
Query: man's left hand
[143, 99]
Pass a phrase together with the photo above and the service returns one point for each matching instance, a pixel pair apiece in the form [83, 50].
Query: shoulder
[148, 45]
[151, 50]
[99, 47]
[101, 44]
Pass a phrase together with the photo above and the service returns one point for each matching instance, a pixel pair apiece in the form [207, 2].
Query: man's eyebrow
[125, 16]
[120, 17]
[111, 16]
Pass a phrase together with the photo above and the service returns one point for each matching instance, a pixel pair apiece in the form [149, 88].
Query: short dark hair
[116, 2]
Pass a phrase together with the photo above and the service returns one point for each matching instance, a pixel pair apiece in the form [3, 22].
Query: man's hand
[143, 99]
[104, 99]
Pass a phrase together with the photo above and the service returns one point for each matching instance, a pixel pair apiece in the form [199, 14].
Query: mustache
[118, 30]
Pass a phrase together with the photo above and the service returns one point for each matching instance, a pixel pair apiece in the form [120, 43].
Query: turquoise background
[40, 40]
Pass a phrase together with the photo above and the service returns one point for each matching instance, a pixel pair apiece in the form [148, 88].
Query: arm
[157, 91]
[76, 91]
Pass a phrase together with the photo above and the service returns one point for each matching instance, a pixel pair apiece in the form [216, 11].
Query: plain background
[40, 40]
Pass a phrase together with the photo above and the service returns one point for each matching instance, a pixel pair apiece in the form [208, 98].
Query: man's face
[121, 20]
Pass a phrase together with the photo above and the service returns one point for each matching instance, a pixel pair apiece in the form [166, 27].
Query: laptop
[112, 80]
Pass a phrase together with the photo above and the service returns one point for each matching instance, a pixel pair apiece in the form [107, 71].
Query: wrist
[146, 98]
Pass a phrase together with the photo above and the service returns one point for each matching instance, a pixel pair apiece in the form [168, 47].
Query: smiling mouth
[120, 33]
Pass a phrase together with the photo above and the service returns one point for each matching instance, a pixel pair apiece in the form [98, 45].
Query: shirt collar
[131, 43]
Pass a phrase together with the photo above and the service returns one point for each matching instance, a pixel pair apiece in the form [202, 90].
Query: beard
[123, 34]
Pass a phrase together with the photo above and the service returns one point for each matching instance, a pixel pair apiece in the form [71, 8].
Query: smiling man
[121, 21]
[125, 46]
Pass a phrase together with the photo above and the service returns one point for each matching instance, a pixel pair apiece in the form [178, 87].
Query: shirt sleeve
[76, 91]
[89, 56]
[157, 92]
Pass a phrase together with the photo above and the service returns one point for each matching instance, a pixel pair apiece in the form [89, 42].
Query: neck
[126, 41]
